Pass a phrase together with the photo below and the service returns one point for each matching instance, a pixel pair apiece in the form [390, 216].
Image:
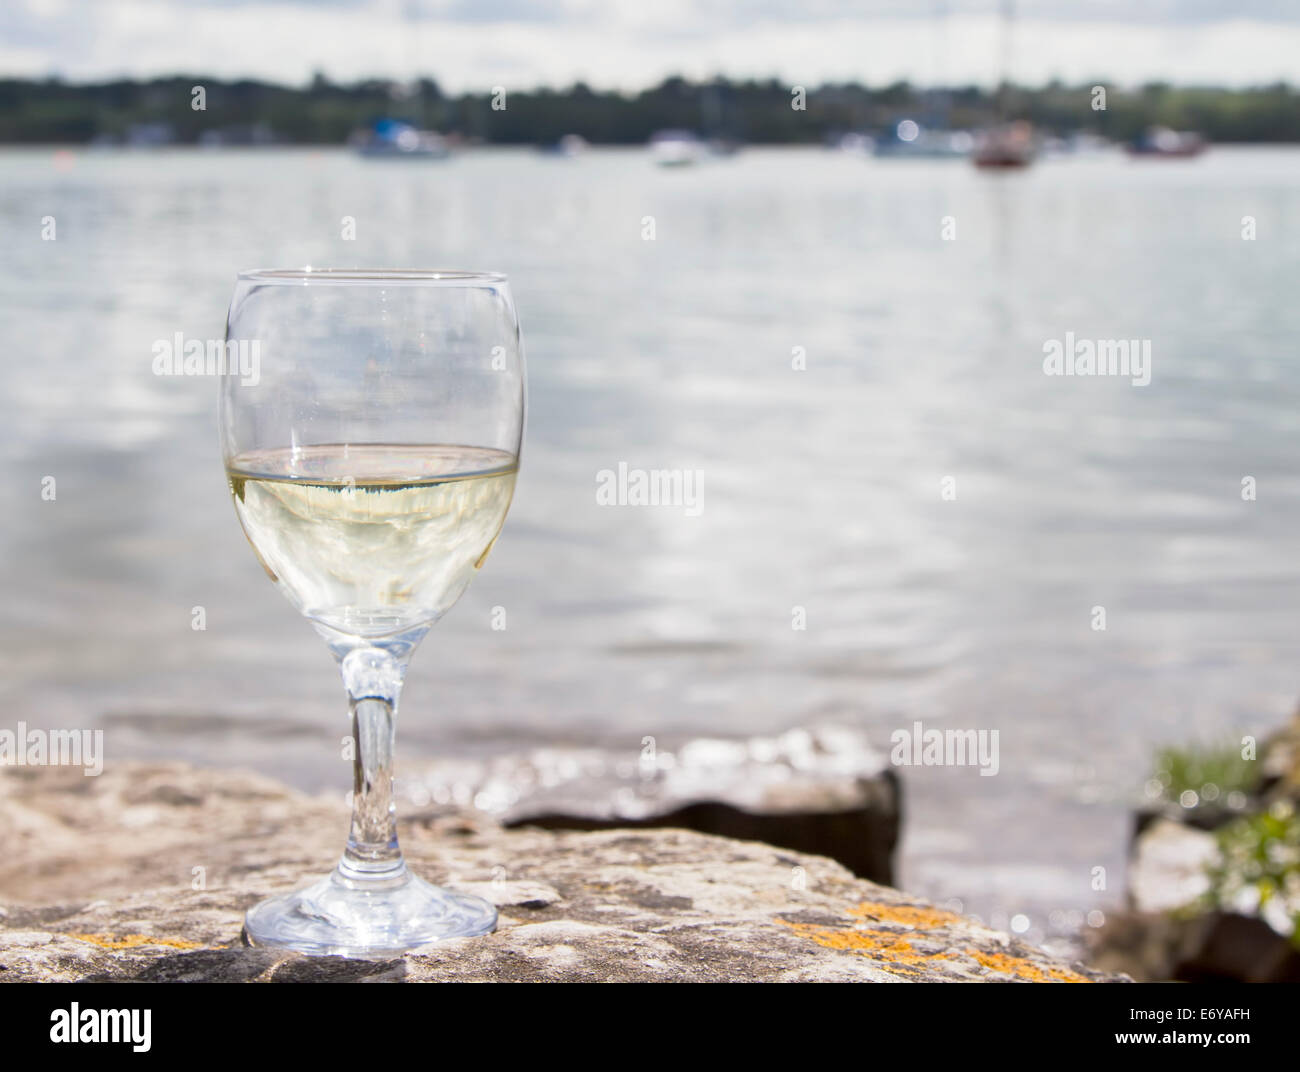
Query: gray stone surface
[144, 873]
[824, 790]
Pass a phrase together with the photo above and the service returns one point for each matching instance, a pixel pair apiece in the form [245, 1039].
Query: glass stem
[373, 671]
[372, 841]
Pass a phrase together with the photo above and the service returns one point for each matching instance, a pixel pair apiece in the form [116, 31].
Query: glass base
[371, 919]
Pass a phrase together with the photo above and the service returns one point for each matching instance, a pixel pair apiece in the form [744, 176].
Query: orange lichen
[887, 947]
[132, 941]
[1023, 969]
[877, 930]
[907, 915]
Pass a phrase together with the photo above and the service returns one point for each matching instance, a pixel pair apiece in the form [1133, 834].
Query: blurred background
[865, 223]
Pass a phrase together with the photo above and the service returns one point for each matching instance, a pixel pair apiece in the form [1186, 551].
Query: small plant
[1258, 870]
[1203, 774]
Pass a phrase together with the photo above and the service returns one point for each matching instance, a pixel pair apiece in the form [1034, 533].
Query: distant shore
[188, 109]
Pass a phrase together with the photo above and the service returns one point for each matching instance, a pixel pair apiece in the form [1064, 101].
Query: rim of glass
[451, 277]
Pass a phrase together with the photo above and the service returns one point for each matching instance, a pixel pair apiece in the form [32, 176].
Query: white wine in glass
[374, 553]
[371, 462]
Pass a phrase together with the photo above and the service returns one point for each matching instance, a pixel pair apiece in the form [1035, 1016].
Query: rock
[1167, 869]
[1169, 935]
[98, 889]
[1206, 817]
[1142, 945]
[1213, 947]
[1279, 763]
[825, 791]
[1233, 948]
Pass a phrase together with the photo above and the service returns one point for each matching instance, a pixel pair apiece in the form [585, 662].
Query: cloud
[474, 44]
[733, 13]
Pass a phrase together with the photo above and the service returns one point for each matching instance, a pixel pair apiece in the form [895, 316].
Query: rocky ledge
[824, 791]
[144, 874]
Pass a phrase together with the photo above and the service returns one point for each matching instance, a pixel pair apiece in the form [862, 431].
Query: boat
[853, 142]
[1008, 146]
[397, 139]
[570, 145]
[911, 140]
[676, 148]
[1161, 142]
[1081, 143]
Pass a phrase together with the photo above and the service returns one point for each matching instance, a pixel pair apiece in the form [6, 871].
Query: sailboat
[393, 138]
[1006, 145]
[397, 139]
[1010, 145]
[1163, 143]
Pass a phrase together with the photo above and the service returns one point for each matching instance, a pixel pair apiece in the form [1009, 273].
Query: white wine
[372, 539]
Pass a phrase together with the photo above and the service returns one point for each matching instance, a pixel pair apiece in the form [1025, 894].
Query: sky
[630, 44]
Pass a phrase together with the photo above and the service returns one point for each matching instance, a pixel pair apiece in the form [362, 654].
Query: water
[821, 486]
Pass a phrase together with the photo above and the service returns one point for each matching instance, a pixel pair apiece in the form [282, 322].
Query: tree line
[325, 113]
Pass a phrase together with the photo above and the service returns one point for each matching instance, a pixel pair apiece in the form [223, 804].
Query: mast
[1008, 17]
[941, 101]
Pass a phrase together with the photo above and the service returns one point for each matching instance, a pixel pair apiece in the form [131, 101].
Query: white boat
[1161, 142]
[676, 148]
[569, 146]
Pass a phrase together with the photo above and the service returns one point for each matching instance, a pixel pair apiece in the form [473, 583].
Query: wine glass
[370, 425]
